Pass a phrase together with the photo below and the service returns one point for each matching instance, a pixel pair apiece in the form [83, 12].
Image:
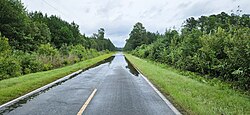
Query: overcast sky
[117, 17]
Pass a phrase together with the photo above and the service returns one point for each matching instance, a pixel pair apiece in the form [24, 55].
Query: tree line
[33, 41]
[216, 46]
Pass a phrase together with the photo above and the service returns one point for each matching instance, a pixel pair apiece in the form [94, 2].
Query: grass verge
[15, 87]
[193, 96]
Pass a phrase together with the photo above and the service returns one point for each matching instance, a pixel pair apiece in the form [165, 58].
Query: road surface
[119, 91]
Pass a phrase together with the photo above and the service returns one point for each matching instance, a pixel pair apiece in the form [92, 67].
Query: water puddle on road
[7, 109]
[131, 68]
[121, 60]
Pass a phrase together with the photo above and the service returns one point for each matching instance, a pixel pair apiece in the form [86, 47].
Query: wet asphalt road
[120, 91]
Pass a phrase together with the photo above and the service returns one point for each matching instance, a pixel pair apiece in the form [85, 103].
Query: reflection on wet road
[120, 91]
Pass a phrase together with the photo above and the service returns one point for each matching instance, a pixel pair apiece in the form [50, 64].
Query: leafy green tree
[100, 43]
[14, 23]
[101, 33]
[137, 37]
[191, 23]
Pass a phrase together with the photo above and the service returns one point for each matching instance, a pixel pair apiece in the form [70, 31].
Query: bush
[47, 50]
[9, 66]
[79, 51]
[30, 61]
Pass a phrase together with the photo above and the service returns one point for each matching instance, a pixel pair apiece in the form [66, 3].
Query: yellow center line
[87, 102]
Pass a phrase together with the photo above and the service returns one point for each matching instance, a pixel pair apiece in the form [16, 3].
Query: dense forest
[215, 46]
[32, 42]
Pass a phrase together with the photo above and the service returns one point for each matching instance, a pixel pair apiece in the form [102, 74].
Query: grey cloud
[154, 11]
[108, 7]
[197, 9]
[184, 4]
[87, 10]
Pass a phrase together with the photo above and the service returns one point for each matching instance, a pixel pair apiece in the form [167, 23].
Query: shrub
[9, 66]
[47, 50]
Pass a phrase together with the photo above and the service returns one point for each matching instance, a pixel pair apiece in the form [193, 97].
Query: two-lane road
[119, 91]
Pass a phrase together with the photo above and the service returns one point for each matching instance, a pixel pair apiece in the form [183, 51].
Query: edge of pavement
[41, 88]
[170, 105]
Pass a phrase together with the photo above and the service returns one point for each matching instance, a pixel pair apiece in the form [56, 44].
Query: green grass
[15, 87]
[191, 95]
